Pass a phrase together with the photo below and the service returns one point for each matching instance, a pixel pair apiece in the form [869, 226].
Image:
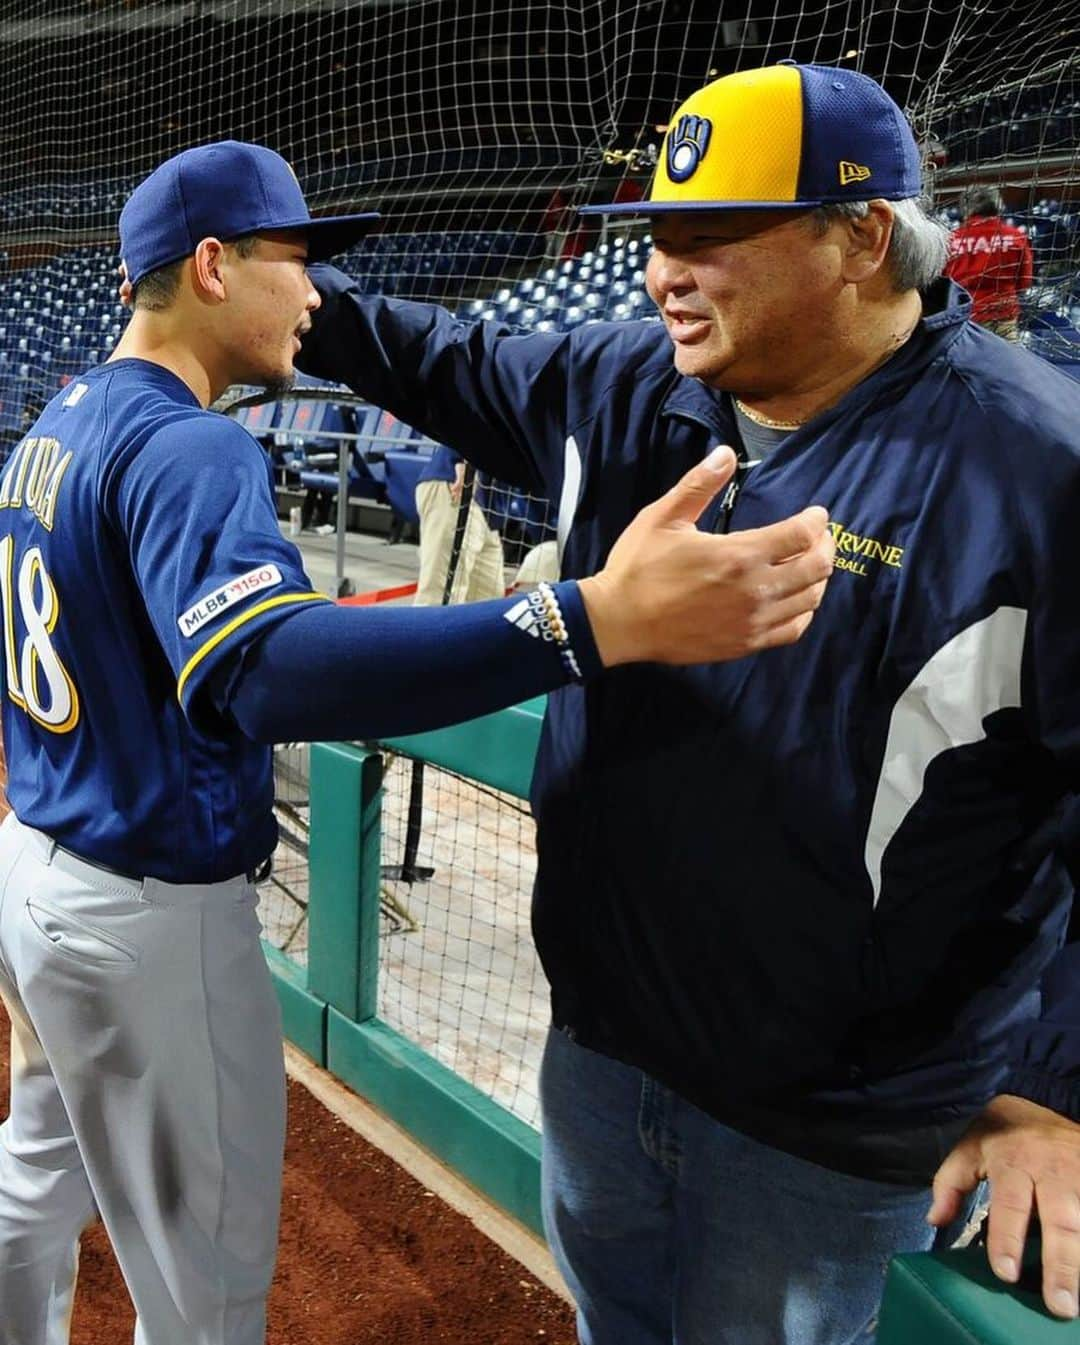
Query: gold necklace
[767, 421]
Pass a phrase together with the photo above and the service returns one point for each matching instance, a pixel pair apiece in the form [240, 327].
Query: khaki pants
[479, 573]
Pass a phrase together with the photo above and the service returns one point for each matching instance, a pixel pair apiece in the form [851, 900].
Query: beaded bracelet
[545, 607]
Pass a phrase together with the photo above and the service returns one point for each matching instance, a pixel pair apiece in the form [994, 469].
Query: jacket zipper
[731, 494]
[734, 486]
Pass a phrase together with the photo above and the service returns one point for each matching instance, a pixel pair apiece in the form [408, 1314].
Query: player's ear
[867, 242]
[208, 271]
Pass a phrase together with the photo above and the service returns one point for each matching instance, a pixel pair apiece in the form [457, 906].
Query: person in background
[992, 260]
[478, 568]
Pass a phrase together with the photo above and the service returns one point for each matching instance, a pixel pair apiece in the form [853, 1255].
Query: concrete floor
[371, 563]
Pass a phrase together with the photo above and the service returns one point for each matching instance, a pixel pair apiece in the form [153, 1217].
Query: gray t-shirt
[758, 440]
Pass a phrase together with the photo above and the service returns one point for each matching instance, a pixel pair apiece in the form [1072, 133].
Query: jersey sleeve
[195, 505]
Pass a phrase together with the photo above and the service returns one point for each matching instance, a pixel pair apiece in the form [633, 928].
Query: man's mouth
[686, 327]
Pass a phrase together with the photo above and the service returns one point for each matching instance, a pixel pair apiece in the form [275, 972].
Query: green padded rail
[954, 1298]
[497, 749]
[303, 1015]
[331, 1010]
[343, 858]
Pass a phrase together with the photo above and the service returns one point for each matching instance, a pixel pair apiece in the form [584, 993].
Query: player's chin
[278, 380]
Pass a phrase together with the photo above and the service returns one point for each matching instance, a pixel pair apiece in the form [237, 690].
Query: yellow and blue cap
[223, 190]
[784, 137]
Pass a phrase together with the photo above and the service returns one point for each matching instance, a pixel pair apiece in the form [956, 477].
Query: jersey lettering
[33, 477]
[34, 595]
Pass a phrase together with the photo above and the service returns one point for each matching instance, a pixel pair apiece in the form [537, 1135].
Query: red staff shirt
[993, 262]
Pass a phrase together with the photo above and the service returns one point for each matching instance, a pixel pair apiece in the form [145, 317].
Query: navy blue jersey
[139, 547]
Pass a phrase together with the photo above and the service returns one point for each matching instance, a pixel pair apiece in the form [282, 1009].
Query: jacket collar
[946, 307]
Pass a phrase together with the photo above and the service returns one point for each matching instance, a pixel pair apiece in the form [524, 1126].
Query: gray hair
[919, 245]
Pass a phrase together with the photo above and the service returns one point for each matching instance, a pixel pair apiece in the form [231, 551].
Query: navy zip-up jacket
[832, 878]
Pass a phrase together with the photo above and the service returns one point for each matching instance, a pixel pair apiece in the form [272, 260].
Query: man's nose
[669, 274]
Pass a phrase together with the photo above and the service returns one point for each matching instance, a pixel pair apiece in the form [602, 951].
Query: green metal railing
[330, 1008]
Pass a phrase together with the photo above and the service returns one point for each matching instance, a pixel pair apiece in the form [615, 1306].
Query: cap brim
[678, 207]
[330, 235]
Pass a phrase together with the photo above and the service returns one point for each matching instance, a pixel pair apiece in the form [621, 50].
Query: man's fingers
[948, 1201]
[792, 536]
[803, 603]
[800, 572]
[687, 499]
[958, 1175]
[1012, 1193]
[787, 632]
[1059, 1217]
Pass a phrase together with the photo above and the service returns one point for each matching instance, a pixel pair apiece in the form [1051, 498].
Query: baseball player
[159, 635]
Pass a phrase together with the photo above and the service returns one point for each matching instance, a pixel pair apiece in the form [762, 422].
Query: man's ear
[867, 243]
[207, 270]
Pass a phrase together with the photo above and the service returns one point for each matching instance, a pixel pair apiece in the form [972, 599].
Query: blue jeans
[672, 1229]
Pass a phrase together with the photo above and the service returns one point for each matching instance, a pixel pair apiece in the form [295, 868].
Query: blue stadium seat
[258, 420]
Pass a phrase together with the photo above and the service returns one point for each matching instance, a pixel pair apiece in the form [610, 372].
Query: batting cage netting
[475, 128]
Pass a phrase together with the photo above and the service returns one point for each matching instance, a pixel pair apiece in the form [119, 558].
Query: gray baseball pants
[147, 1085]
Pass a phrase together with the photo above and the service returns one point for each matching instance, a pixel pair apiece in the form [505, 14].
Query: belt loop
[50, 847]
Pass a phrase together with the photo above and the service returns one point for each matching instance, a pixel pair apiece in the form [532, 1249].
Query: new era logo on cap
[852, 172]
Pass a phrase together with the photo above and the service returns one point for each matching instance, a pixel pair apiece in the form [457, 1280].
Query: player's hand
[125, 286]
[1031, 1156]
[672, 594]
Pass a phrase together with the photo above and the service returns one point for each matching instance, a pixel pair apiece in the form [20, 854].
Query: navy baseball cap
[784, 137]
[223, 191]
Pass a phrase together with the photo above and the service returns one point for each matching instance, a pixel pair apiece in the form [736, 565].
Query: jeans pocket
[77, 939]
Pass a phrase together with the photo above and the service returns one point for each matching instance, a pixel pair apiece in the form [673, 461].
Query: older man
[804, 914]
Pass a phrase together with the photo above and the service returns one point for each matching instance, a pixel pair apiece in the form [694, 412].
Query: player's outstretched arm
[668, 593]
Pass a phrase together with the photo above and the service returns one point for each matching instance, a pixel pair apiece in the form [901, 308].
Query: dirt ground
[366, 1256]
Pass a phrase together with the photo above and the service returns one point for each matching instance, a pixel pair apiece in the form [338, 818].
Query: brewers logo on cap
[686, 146]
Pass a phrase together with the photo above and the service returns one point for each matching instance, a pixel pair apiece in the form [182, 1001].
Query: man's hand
[672, 594]
[1031, 1156]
